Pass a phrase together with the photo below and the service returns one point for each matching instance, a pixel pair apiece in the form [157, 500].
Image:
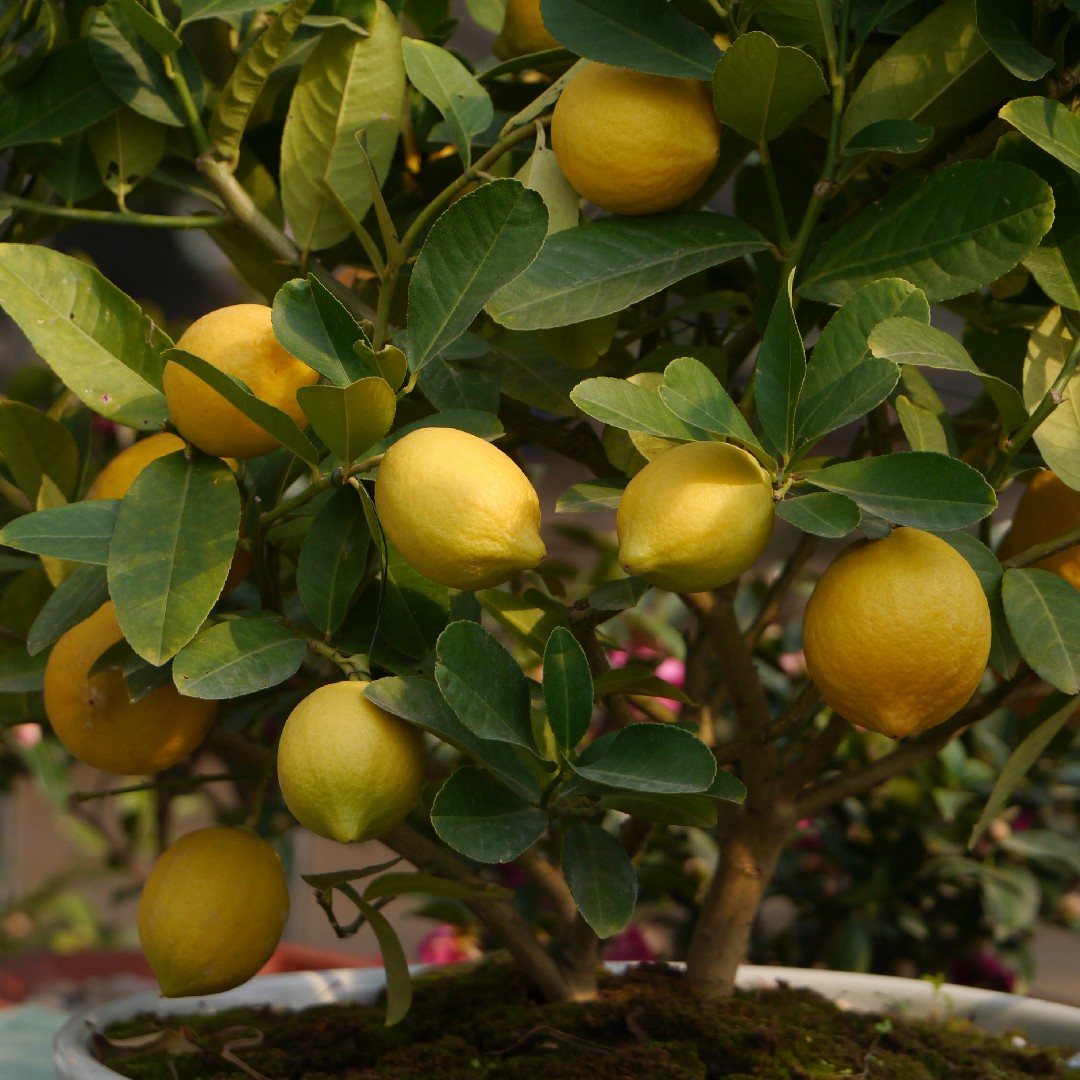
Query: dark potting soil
[646, 1024]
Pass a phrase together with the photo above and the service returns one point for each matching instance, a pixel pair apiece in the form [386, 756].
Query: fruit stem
[116, 217]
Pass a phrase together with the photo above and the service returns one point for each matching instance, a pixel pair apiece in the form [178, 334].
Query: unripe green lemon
[897, 632]
[212, 911]
[457, 509]
[695, 517]
[348, 770]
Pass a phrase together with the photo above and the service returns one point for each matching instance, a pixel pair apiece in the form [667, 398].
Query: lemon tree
[605, 493]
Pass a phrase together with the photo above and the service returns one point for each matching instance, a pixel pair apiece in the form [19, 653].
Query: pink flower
[448, 944]
[629, 944]
[27, 735]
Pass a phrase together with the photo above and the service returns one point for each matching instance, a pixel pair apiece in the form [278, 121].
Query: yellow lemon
[523, 31]
[897, 633]
[212, 911]
[238, 340]
[97, 722]
[634, 143]
[695, 517]
[1047, 509]
[114, 480]
[348, 770]
[457, 509]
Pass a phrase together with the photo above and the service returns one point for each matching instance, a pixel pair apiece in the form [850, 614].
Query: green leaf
[451, 386]
[1050, 718]
[76, 598]
[636, 677]
[449, 85]
[889, 136]
[333, 878]
[1043, 611]
[33, 445]
[761, 88]
[1058, 436]
[171, 550]
[94, 337]
[134, 69]
[530, 617]
[157, 34]
[1048, 124]
[482, 241]
[694, 394]
[626, 405]
[618, 595]
[909, 341]
[797, 22]
[568, 688]
[236, 392]
[922, 428]
[647, 35]
[656, 758]
[696, 811]
[781, 369]
[952, 233]
[728, 787]
[927, 491]
[484, 820]
[316, 327]
[395, 964]
[601, 878]
[193, 10]
[66, 96]
[237, 657]
[415, 609]
[232, 110]
[940, 73]
[420, 702]
[20, 672]
[1007, 28]
[605, 266]
[821, 513]
[482, 425]
[350, 419]
[483, 684]
[333, 558]
[404, 883]
[349, 83]
[81, 531]
[591, 495]
[127, 148]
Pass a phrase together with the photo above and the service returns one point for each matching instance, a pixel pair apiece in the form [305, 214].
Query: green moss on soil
[646, 1024]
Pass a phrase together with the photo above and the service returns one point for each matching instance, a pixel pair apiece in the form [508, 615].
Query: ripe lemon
[695, 517]
[457, 509]
[897, 633]
[1048, 508]
[212, 911]
[94, 718]
[238, 340]
[523, 31]
[114, 480]
[634, 143]
[348, 770]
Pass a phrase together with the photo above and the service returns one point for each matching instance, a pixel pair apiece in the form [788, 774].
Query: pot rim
[993, 1010]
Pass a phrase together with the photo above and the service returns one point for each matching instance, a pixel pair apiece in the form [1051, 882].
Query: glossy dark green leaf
[697, 811]
[483, 684]
[1007, 28]
[656, 758]
[158, 34]
[80, 532]
[927, 491]
[600, 876]
[272, 420]
[727, 786]
[450, 386]
[648, 35]
[94, 337]
[1043, 611]
[237, 657]
[568, 688]
[591, 495]
[350, 419]
[602, 267]
[478, 245]
[797, 22]
[1048, 124]
[420, 702]
[316, 327]
[983, 216]
[482, 425]
[76, 598]
[65, 96]
[34, 445]
[618, 595]
[404, 883]
[626, 405]
[849, 398]
[761, 88]
[696, 396]
[171, 550]
[890, 136]
[781, 369]
[637, 678]
[415, 609]
[821, 513]
[20, 672]
[483, 819]
[333, 558]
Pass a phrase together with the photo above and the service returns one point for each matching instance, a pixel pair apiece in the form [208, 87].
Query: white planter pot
[1043, 1021]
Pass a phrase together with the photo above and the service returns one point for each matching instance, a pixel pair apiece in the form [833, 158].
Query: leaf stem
[163, 784]
[183, 91]
[116, 217]
[323, 483]
[776, 204]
